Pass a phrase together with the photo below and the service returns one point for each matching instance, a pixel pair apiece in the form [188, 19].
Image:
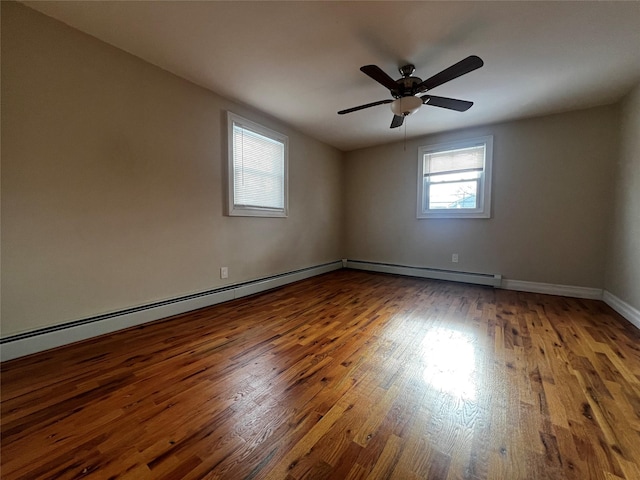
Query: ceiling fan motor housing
[407, 84]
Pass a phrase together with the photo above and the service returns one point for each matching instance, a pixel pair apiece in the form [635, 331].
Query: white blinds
[451, 161]
[258, 169]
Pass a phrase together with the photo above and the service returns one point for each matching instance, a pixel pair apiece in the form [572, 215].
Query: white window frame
[484, 182]
[254, 211]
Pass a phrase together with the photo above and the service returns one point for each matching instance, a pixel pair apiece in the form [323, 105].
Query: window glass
[455, 179]
[257, 169]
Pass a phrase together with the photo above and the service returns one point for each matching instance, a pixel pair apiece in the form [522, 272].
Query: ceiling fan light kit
[404, 106]
[406, 90]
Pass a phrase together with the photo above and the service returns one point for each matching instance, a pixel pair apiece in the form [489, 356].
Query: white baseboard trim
[623, 308]
[44, 339]
[630, 313]
[552, 289]
[488, 279]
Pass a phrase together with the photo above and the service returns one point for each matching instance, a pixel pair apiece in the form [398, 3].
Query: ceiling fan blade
[361, 107]
[467, 65]
[379, 76]
[444, 102]
[397, 121]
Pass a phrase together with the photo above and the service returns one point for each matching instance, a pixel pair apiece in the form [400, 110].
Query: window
[257, 169]
[454, 179]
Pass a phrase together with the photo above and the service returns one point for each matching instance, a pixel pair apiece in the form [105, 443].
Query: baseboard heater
[489, 279]
[62, 334]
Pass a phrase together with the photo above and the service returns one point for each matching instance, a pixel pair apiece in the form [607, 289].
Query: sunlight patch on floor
[450, 362]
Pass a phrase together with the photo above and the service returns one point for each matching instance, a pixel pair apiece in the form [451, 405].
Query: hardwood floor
[349, 375]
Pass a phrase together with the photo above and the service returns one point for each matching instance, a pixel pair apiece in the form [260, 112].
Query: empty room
[320, 240]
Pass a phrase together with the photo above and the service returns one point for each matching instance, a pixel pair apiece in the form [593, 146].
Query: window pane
[456, 179]
[453, 195]
[258, 169]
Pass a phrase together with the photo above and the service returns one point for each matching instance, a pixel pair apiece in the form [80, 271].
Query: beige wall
[113, 196]
[112, 188]
[552, 198]
[623, 268]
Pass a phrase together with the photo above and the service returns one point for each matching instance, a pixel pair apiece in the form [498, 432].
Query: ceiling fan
[406, 90]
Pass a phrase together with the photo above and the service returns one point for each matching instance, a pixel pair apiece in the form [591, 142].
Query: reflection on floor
[350, 375]
[450, 362]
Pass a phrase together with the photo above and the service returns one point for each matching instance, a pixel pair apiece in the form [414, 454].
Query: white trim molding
[44, 339]
[630, 313]
[552, 289]
[26, 343]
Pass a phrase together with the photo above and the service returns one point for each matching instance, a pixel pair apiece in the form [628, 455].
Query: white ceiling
[299, 61]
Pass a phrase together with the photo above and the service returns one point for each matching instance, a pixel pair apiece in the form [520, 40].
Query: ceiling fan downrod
[407, 70]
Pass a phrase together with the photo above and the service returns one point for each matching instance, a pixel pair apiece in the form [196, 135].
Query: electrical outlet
[454, 258]
[224, 272]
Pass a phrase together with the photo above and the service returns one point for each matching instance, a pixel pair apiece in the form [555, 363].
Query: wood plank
[347, 375]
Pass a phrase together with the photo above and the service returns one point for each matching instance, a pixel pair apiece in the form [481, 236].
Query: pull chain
[405, 135]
